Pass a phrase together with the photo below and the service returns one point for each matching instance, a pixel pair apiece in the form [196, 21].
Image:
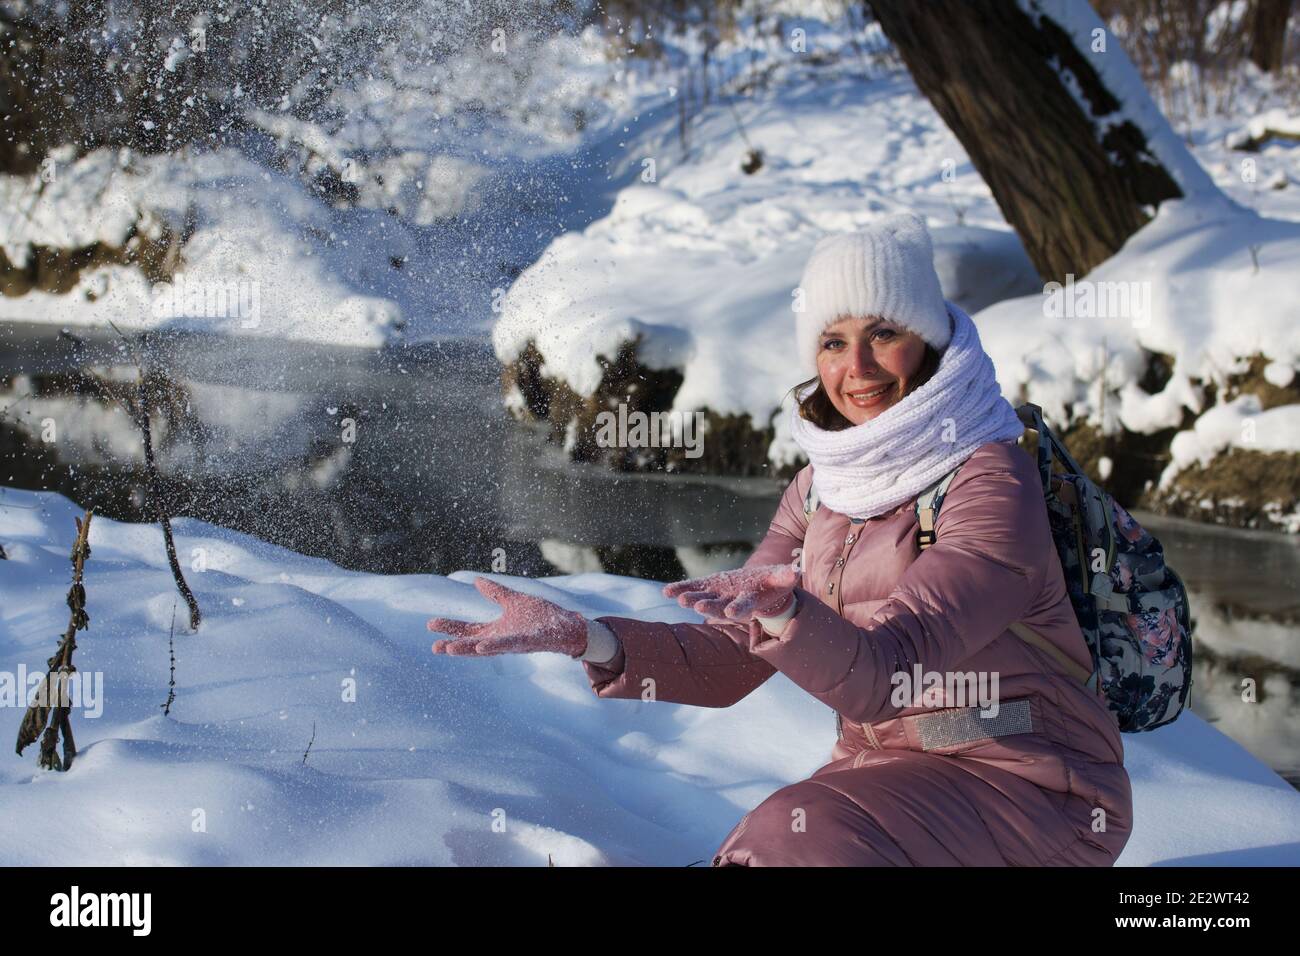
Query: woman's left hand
[528, 624]
[741, 595]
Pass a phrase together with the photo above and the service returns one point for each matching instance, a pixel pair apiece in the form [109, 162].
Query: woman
[891, 635]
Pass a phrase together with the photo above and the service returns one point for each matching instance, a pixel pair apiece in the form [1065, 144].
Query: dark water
[403, 460]
[434, 475]
[1245, 595]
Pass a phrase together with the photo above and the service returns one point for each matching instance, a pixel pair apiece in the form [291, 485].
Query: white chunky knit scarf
[872, 468]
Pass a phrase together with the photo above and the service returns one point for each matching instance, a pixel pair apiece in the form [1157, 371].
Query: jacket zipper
[855, 530]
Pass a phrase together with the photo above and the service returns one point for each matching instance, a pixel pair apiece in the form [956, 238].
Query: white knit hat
[886, 269]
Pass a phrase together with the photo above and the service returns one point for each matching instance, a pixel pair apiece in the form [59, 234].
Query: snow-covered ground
[412, 758]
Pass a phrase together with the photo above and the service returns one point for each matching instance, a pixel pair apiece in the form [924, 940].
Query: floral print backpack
[1132, 607]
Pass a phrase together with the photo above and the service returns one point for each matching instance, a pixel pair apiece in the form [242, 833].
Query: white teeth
[865, 395]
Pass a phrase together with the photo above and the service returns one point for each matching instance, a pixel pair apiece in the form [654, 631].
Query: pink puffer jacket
[873, 605]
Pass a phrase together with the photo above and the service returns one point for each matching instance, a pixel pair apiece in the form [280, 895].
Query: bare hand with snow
[740, 595]
[528, 624]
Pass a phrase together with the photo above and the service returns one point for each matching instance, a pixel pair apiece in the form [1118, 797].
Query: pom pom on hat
[886, 270]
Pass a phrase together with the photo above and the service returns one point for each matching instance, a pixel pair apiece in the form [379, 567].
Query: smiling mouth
[869, 398]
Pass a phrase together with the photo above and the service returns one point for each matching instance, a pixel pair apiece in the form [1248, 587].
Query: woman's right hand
[527, 624]
[739, 596]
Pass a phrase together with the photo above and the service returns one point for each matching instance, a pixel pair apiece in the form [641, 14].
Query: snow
[1276, 121]
[76, 205]
[1279, 375]
[281, 253]
[1240, 423]
[433, 750]
[978, 267]
[456, 154]
[1210, 289]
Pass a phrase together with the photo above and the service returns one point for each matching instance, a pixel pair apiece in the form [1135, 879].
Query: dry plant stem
[42, 712]
[155, 501]
[140, 412]
[171, 652]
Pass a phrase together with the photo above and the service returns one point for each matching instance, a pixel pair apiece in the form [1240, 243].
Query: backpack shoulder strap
[927, 509]
[1030, 636]
[927, 512]
[810, 501]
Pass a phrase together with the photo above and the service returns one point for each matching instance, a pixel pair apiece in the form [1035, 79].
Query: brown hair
[821, 411]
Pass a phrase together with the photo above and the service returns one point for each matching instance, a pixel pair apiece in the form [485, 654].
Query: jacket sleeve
[983, 573]
[706, 665]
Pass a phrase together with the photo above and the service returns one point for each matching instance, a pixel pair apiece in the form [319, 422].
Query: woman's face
[857, 358]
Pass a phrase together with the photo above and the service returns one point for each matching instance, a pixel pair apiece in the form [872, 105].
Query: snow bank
[1206, 287]
[263, 258]
[1239, 423]
[978, 267]
[449, 149]
[1273, 122]
[410, 757]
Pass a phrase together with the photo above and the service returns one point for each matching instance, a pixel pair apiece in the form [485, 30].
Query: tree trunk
[1074, 186]
[1268, 34]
